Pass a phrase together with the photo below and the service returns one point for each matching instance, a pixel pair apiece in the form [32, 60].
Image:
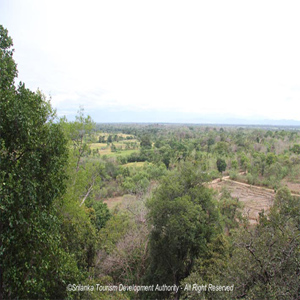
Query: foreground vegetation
[169, 229]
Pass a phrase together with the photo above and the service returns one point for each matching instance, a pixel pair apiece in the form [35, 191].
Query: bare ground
[293, 187]
[112, 202]
[254, 199]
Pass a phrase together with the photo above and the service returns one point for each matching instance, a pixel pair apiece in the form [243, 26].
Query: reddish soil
[254, 199]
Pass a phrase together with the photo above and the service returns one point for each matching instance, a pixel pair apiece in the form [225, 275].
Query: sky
[160, 61]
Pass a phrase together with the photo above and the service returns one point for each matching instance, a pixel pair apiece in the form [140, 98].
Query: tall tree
[184, 219]
[146, 142]
[221, 165]
[32, 156]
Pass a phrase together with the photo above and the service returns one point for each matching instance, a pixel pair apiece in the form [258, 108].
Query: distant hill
[235, 121]
[156, 116]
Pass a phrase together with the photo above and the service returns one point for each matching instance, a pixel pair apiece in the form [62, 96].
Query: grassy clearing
[135, 164]
[98, 146]
[121, 153]
[105, 149]
[106, 134]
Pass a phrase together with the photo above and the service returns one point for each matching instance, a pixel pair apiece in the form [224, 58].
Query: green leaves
[32, 157]
[183, 218]
[221, 165]
[8, 68]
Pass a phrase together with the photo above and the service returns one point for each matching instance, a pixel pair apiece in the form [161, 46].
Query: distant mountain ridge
[155, 116]
[271, 122]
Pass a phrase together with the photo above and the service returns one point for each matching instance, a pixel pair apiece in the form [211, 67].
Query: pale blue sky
[225, 59]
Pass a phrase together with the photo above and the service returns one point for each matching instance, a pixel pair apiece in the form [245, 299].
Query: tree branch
[88, 192]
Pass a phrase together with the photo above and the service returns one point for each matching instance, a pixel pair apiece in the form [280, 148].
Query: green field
[121, 153]
[135, 164]
[104, 149]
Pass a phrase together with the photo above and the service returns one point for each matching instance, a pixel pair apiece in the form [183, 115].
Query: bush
[250, 179]
[233, 174]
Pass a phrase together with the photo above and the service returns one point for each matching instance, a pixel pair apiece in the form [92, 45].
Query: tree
[101, 212]
[230, 210]
[8, 67]
[146, 142]
[244, 161]
[32, 157]
[83, 175]
[209, 269]
[184, 219]
[81, 216]
[222, 148]
[296, 149]
[102, 139]
[113, 148]
[221, 165]
[264, 263]
[124, 243]
[109, 139]
[76, 133]
[210, 142]
[271, 158]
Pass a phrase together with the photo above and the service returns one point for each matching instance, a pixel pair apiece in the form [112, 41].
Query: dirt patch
[123, 200]
[135, 164]
[254, 199]
[112, 202]
[293, 187]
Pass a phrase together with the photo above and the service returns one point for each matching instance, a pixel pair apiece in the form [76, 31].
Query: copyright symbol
[69, 287]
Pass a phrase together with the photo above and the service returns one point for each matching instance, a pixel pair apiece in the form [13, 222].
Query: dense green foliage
[32, 158]
[221, 165]
[184, 219]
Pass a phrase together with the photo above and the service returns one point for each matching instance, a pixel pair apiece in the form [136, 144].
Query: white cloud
[231, 57]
